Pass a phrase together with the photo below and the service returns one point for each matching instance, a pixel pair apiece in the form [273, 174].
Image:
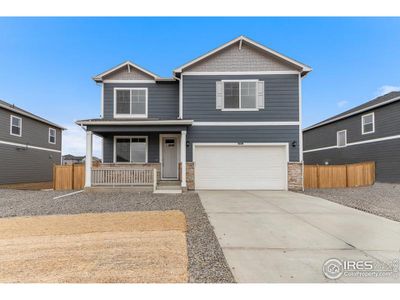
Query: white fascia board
[242, 73]
[246, 123]
[113, 122]
[16, 110]
[352, 114]
[127, 81]
[29, 146]
[126, 63]
[304, 67]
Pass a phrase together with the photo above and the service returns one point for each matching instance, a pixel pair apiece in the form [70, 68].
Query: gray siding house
[229, 119]
[369, 132]
[29, 146]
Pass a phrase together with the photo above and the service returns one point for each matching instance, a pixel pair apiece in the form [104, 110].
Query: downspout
[180, 96]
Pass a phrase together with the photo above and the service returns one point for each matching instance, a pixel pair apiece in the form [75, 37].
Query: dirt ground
[28, 186]
[132, 247]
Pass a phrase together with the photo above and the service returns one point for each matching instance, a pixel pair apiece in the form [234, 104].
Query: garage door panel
[240, 167]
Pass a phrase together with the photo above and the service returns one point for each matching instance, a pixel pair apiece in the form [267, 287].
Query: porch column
[88, 159]
[183, 158]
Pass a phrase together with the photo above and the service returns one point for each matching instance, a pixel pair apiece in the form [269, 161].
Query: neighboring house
[29, 146]
[369, 132]
[69, 159]
[230, 119]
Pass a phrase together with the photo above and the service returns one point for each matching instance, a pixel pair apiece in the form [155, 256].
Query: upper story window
[52, 136]
[341, 138]
[130, 149]
[368, 123]
[240, 95]
[130, 102]
[15, 126]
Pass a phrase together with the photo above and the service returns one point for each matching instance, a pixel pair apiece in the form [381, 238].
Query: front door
[169, 158]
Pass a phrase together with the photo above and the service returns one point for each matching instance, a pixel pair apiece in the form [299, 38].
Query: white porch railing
[122, 176]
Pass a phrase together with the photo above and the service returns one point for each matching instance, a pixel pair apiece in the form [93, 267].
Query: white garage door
[240, 167]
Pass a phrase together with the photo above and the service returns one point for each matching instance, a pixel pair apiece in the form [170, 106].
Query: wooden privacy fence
[70, 177]
[339, 176]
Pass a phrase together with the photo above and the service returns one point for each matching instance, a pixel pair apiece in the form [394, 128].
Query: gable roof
[377, 102]
[304, 68]
[99, 77]
[13, 108]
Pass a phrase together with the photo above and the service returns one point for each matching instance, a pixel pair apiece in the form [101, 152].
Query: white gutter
[114, 122]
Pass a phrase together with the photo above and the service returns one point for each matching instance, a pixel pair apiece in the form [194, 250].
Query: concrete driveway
[274, 236]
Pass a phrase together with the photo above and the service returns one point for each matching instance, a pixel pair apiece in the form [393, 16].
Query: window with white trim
[131, 149]
[130, 102]
[52, 136]
[15, 126]
[368, 123]
[240, 95]
[341, 138]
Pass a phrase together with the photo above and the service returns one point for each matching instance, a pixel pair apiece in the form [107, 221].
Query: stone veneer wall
[295, 176]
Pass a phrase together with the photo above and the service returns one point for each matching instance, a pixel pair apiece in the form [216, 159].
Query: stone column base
[295, 176]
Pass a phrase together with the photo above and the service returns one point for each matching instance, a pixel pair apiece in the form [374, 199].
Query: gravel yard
[206, 260]
[382, 199]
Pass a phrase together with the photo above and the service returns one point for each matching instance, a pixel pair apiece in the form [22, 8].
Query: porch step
[169, 187]
[169, 183]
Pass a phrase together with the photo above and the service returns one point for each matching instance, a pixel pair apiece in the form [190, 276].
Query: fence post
[347, 175]
[318, 179]
[154, 180]
[54, 176]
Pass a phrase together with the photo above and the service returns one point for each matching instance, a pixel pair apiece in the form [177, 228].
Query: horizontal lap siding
[163, 99]
[34, 133]
[281, 98]
[30, 165]
[153, 146]
[385, 154]
[245, 134]
[387, 123]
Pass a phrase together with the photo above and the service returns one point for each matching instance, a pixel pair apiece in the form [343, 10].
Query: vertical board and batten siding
[281, 98]
[163, 99]
[27, 165]
[385, 154]
[339, 176]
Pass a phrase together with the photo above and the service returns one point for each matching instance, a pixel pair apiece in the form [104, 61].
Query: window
[368, 123]
[130, 149]
[240, 95]
[341, 138]
[15, 126]
[52, 136]
[130, 102]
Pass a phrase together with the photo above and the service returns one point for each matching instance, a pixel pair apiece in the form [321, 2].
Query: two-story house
[29, 146]
[229, 119]
[368, 132]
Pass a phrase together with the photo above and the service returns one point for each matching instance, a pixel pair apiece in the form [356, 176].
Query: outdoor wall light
[187, 143]
[294, 144]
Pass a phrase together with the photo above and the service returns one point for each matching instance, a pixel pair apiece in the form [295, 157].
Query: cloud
[74, 141]
[342, 103]
[387, 89]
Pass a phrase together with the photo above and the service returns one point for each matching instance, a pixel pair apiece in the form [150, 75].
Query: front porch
[137, 156]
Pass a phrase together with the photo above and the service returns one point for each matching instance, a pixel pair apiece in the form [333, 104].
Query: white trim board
[242, 73]
[242, 38]
[295, 123]
[130, 145]
[126, 63]
[29, 146]
[127, 81]
[135, 122]
[177, 136]
[355, 143]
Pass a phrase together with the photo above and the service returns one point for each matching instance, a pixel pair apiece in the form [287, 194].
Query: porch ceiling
[103, 129]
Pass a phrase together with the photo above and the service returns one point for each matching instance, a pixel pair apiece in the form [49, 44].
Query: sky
[46, 64]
